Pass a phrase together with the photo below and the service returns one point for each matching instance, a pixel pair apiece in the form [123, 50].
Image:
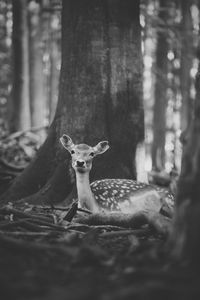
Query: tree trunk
[36, 67]
[186, 65]
[100, 97]
[184, 240]
[54, 70]
[20, 105]
[159, 119]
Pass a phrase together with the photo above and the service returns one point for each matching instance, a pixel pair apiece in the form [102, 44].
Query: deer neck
[85, 195]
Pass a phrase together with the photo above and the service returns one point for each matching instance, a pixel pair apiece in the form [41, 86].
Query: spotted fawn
[106, 194]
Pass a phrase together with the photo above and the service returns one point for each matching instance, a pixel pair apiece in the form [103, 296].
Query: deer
[108, 195]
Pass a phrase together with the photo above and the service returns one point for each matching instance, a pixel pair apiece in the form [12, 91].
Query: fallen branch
[28, 224]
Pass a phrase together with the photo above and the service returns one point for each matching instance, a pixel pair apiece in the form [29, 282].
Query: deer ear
[66, 141]
[101, 147]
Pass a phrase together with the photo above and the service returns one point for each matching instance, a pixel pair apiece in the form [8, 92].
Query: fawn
[107, 194]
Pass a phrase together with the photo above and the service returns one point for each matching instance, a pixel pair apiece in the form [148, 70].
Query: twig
[8, 211]
[26, 233]
[84, 210]
[43, 223]
[25, 223]
[137, 232]
[66, 209]
[72, 211]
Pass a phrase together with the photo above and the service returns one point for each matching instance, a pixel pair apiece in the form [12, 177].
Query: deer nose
[80, 163]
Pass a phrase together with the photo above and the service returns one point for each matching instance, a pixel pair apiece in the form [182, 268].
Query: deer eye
[92, 154]
[72, 152]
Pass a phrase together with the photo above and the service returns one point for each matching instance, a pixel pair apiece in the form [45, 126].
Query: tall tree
[186, 63]
[5, 57]
[184, 239]
[54, 65]
[37, 102]
[20, 104]
[100, 97]
[159, 119]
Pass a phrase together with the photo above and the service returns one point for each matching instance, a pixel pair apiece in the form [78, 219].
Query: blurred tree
[186, 63]
[54, 64]
[159, 118]
[20, 118]
[37, 102]
[5, 56]
[100, 97]
[51, 27]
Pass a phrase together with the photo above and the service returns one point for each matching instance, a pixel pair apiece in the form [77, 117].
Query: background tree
[100, 97]
[5, 55]
[186, 63]
[20, 105]
[159, 119]
[54, 64]
[37, 101]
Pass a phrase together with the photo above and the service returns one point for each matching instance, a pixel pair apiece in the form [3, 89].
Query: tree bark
[100, 97]
[159, 118]
[20, 105]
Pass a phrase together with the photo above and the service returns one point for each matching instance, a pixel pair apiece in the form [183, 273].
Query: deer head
[82, 154]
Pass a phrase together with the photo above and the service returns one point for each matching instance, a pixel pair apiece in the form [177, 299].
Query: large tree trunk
[159, 119]
[20, 105]
[186, 65]
[36, 67]
[100, 97]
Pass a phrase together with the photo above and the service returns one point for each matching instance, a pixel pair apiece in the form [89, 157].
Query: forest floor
[42, 256]
[87, 264]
